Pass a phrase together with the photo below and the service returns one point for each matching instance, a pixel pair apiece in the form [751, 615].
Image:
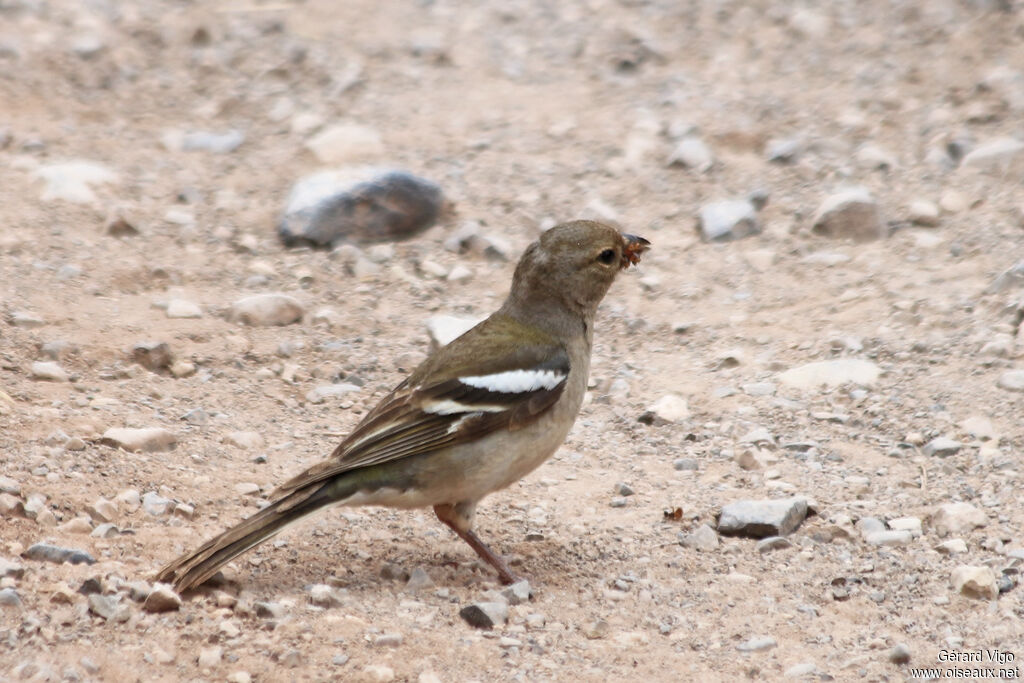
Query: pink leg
[459, 522]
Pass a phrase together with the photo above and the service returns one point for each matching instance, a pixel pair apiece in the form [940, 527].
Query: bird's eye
[607, 257]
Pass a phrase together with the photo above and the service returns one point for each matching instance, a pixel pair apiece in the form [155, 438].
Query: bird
[474, 417]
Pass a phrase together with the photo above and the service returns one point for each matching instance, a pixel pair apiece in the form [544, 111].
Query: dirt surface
[525, 114]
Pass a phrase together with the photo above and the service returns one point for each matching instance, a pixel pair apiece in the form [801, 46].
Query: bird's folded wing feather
[454, 397]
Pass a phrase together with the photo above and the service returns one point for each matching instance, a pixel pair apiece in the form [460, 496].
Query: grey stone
[890, 538]
[26, 320]
[899, 654]
[485, 615]
[269, 610]
[623, 489]
[9, 569]
[685, 464]
[668, 409]
[691, 152]
[767, 545]
[955, 518]
[9, 598]
[106, 530]
[783, 150]
[181, 308]
[419, 580]
[1011, 278]
[155, 504]
[1011, 380]
[324, 392]
[49, 371]
[923, 212]
[266, 310]
[851, 213]
[518, 593]
[388, 640]
[757, 644]
[942, 447]
[728, 220]
[9, 485]
[831, 373]
[702, 539]
[102, 605]
[51, 553]
[359, 205]
[995, 154]
[218, 143]
[73, 181]
[323, 595]
[760, 518]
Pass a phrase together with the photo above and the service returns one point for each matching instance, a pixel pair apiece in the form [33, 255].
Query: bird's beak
[634, 247]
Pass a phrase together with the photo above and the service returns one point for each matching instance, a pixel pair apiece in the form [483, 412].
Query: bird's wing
[454, 397]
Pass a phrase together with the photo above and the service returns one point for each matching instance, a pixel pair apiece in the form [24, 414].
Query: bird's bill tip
[635, 246]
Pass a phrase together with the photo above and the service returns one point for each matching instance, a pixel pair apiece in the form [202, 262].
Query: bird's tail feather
[192, 569]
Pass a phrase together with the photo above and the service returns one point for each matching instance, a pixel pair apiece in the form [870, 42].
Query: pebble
[44, 552]
[942, 447]
[323, 595]
[388, 640]
[728, 220]
[783, 150]
[345, 143]
[146, 440]
[247, 488]
[851, 213]
[155, 504]
[485, 615]
[9, 485]
[9, 569]
[685, 465]
[975, 582]
[269, 610]
[899, 654]
[911, 524]
[162, 598]
[923, 212]
[9, 598]
[323, 392]
[26, 320]
[1011, 380]
[49, 371]
[378, 673]
[873, 157]
[246, 440]
[953, 546]
[444, 329]
[767, 545]
[596, 630]
[623, 489]
[757, 644]
[73, 181]
[181, 308]
[761, 518]
[78, 525]
[692, 152]
[831, 373]
[266, 310]
[668, 409]
[210, 657]
[103, 606]
[996, 154]
[955, 518]
[980, 427]
[419, 580]
[800, 670]
[218, 143]
[702, 539]
[360, 206]
[153, 356]
[889, 538]
[517, 593]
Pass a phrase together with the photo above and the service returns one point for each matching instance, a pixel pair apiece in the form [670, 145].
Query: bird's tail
[192, 569]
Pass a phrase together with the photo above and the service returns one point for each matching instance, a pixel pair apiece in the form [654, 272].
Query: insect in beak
[634, 247]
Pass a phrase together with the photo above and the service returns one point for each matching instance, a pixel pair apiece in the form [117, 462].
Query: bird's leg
[459, 519]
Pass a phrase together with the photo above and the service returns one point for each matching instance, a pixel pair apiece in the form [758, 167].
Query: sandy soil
[525, 113]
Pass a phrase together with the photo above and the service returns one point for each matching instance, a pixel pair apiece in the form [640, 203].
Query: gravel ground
[854, 353]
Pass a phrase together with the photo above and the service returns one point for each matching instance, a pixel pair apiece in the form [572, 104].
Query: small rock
[155, 504]
[873, 157]
[759, 644]
[685, 465]
[596, 630]
[218, 143]
[388, 640]
[691, 152]
[996, 154]
[266, 310]
[767, 545]
[78, 525]
[247, 488]
[323, 595]
[182, 368]
[911, 524]
[102, 605]
[852, 213]
[247, 440]
[378, 673]
[942, 447]
[269, 610]
[359, 205]
[889, 538]
[980, 427]
[9, 598]
[345, 143]
[728, 220]
[11, 506]
[955, 518]
[800, 670]
[26, 320]
[210, 657]
[119, 226]
[702, 539]
[184, 510]
[923, 212]
[162, 598]
[831, 373]
[485, 615]
[783, 151]
[954, 546]
[50, 553]
[180, 308]
[11, 570]
[899, 654]
[73, 181]
[518, 593]
[153, 356]
[618, 502]
[975, 582]
[1011, 380]
[49, 371]
[623, 489]
[130, 499]
[106, 530]
[668, 409]
[11, 486]
[419, 580]
[749, 459]
[444, 329]
[760, 518]
[148, 440]
[322, 393]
